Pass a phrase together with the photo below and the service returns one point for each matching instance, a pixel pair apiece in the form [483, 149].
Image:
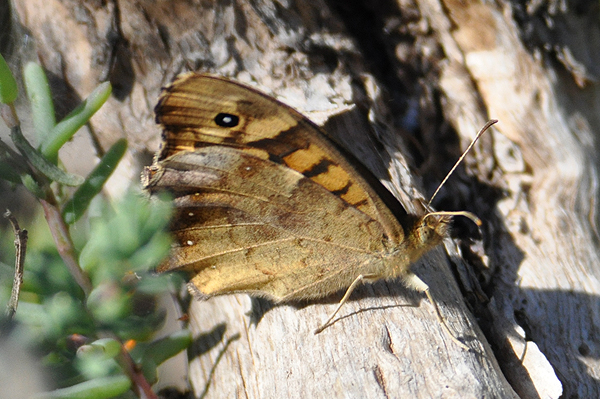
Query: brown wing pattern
[265, 203]
[248, 224]
[189, 111]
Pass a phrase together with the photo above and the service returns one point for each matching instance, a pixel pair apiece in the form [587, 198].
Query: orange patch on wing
[304, 159]
[334, 179]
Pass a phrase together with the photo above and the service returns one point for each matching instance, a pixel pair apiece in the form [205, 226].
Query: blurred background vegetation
[89, 304]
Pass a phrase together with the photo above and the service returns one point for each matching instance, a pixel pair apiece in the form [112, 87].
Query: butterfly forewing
[189, 111]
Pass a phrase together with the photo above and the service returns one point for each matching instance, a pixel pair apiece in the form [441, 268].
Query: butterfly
[266, 204]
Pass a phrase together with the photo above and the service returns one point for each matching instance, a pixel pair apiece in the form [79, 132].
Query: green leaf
[32, 186]
[108, 303]
[150, 355]
[39, 162]
[8, 84]
[97, 359]
[93, 184]
[106, 387]
[40, 98]
[107, 348]
[165, 348]
[65, 129]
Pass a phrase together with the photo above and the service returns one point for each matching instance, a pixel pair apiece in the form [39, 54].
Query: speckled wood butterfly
[267, 205]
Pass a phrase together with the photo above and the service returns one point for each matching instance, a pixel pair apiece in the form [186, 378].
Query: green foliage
[151, 354]
[128, 235]
[122, 249]
[79, 202]
[65, 129]
[8, 84]
[107, 387]
[41, 163]
[40, 99]
[77, 319]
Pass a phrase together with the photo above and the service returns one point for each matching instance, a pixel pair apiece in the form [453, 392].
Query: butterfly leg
[354, 284]
[414, 281]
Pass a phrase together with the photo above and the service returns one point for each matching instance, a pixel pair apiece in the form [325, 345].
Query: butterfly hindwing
[248, 224]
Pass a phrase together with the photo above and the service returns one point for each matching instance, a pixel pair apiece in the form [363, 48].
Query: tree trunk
[405, 86]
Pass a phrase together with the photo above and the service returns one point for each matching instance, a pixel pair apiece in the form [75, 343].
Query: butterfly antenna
[464, 154]
[466, 214]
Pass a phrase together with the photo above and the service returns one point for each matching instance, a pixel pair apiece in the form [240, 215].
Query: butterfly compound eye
[227, 120]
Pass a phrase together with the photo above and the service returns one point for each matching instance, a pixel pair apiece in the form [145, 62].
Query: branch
[20, 249]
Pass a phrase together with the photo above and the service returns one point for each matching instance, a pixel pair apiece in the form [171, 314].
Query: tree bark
[405, 86]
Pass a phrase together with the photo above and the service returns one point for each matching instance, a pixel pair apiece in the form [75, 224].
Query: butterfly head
[428, 232]
[431, 229]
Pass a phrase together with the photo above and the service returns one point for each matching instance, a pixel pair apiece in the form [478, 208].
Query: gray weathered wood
[374, 71]
[544, 302]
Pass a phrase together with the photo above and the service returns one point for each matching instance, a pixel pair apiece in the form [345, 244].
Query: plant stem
[64, 244]
[140, 385]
